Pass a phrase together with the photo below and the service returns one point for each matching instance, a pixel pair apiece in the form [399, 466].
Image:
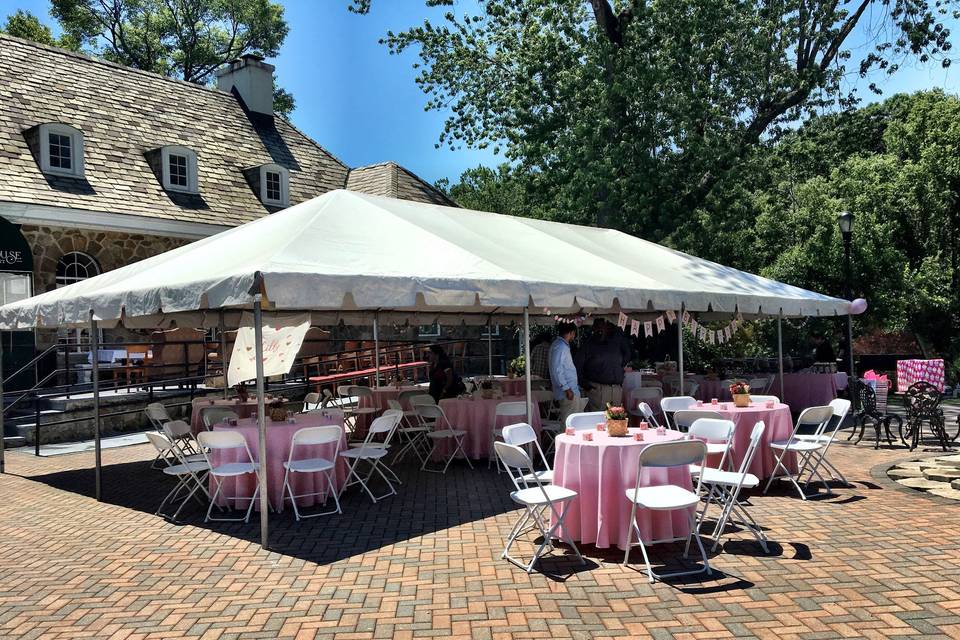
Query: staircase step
[11, 442]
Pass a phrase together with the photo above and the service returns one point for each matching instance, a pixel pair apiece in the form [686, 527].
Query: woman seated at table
[444, 381]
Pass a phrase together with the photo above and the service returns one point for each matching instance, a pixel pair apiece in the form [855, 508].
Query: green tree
[186, 39]
[631, 113]
[24, 24]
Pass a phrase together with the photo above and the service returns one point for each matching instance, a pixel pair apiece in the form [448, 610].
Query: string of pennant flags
[659, 324]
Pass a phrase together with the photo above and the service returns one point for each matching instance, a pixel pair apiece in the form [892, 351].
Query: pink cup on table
[661, 431]
[638, 437]
[699, 403]
[714, 401]
[587, 436]
[601, 426]
[644, 425]
[570, 431]
[770, 404]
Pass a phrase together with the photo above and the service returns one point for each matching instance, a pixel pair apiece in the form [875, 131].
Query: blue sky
[362, 104]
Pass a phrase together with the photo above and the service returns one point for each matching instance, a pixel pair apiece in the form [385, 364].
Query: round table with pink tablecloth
[600, 471]
[379, 401]
[279, 439]
[779, 426]
[242, 409]
[475, 416]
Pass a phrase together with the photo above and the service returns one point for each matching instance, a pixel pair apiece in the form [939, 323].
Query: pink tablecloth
[804, 390]
[779, 426]
[476, 418]
[710, 389]
[381, 395]
[911, 371]
[242, 409]
[279, 438]
[600, 472]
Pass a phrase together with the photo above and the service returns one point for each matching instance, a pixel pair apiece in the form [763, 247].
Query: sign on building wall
[15, 254]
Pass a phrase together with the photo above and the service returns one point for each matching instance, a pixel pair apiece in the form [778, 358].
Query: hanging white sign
[281, 343]
[693, 327]
[671, 316]
[660, 324]
[622, 320]
[635, 327]
[648, 329]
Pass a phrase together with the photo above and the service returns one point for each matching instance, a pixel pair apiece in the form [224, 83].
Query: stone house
[102, 165]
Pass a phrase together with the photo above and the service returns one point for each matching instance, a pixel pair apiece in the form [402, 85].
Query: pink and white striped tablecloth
[600, 471]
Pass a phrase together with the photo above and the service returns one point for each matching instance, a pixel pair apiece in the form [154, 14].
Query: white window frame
[284, 185]
[495, 333]
[175, 150]
[76, 149]
[432, 330]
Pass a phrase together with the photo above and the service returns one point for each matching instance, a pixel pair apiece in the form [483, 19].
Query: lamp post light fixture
[845, 222]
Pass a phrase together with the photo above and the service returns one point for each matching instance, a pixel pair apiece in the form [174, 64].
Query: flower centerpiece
[741, 393]
[616, 420]
[517, 367]
[486, 389]
[278, 410]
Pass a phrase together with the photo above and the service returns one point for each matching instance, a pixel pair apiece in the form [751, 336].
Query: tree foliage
[631, 113]
[185, 39]
[23, 24]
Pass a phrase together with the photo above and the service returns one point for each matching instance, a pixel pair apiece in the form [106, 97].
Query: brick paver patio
[873, 561]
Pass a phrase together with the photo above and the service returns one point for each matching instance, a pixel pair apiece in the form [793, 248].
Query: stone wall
[110, 249]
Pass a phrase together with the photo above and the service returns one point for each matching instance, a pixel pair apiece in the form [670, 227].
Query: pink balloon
[858, 306]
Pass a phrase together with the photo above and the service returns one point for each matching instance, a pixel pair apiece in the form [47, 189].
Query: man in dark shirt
[823, 350]
[600, 362]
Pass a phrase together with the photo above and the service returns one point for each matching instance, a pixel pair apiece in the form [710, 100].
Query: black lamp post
[845, 221]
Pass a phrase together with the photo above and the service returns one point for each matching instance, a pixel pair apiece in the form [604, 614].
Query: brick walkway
[873, 561]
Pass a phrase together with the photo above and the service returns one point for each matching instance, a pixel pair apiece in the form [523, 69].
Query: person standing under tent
[601, 363]
[563, 374]
[444, 381]
[540, 356]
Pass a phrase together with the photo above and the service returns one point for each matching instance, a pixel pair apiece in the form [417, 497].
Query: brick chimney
[253, 80]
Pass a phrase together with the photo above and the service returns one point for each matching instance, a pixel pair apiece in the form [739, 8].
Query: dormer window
[61, 150]
[179, 166]
[274, 185]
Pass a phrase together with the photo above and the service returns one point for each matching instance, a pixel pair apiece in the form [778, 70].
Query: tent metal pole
[95, 378]
[376, 348]
[489, 348]
[526, 363]
[780, 349]
[854, 380]
[223, 354]
[680, 346]
[3, 452]
[261, 422]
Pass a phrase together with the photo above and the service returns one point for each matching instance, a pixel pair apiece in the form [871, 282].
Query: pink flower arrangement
[739, 387]
[616, 412]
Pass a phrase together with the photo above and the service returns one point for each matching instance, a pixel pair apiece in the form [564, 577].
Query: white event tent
[360, 258]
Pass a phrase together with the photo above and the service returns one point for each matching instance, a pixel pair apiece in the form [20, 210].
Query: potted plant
[616, 420]
[517, 367]
[278, 410]
[741, 393]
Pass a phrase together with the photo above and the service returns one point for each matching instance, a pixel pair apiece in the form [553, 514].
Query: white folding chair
[220, 442]
[668, 497]
[441, 430]
[761, 399]
[322, 466]
[352, 398]
[543, 505]
[724, 489]
[420, 399]
[215, 415]
[516, 410]
[812, 417]
[646, 413]
[717, 434]
[411, 431]
[190, 475]
[552, 428]
[760, 385]
[691, 387]
[841, 406]
[672, 404]
[646, 395]
[181, 437]
[158, 416]
[373, 453]
[585, 421]
[311, 402]
[523, 435]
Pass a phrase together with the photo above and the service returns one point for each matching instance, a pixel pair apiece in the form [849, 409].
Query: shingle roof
[391, 180]
[126, 114]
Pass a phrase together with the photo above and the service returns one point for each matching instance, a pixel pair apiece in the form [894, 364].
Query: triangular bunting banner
[671, 316]
[635, 327]
[648, 329]
[660, 324]
[622, 320]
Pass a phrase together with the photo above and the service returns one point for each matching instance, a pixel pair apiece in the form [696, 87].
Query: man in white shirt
[563, 374]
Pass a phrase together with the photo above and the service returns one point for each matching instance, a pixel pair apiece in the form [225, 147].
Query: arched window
[74, 267]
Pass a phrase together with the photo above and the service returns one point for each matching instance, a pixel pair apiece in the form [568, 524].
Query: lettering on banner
[648, 329]
[635, 327]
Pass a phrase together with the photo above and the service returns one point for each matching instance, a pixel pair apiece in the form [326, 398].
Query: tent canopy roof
[348, 253]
